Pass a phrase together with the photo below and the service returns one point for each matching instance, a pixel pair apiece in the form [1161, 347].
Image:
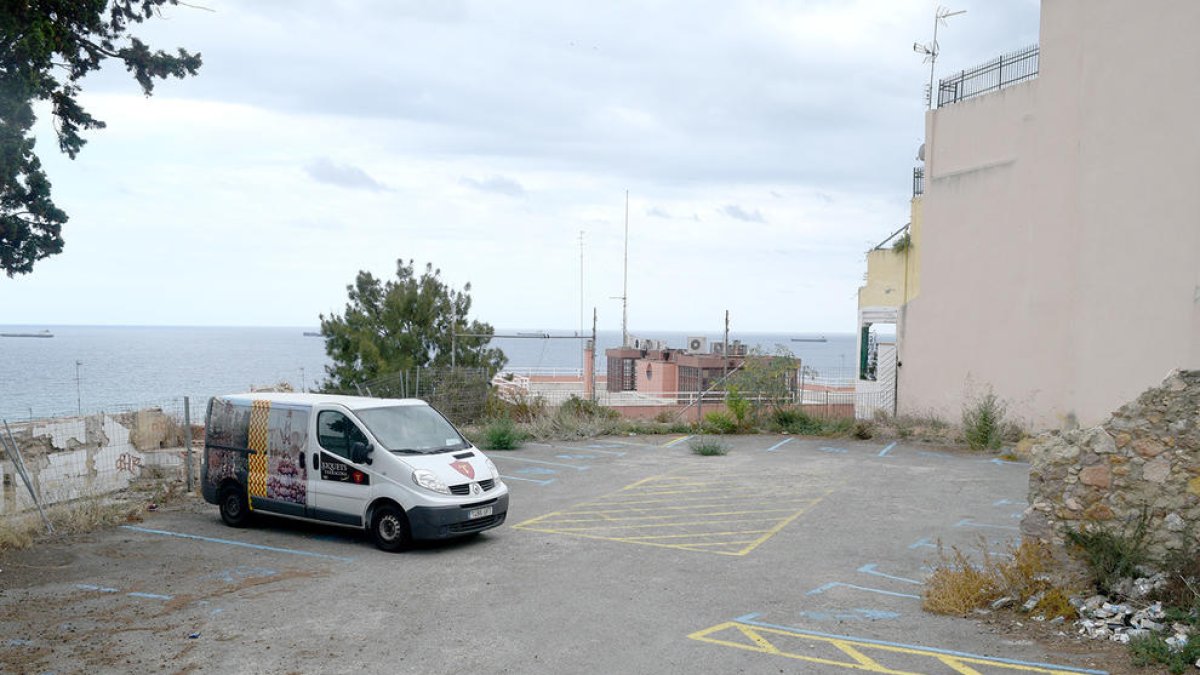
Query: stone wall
[72, 457]
[1144, 459]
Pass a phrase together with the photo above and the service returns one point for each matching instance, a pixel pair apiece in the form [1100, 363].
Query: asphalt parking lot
[620, 555]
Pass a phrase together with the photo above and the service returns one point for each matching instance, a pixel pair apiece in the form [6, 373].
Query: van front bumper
[444, 522]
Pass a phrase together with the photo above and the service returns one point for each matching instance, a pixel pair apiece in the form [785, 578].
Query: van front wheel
[389, 528]
[235, 510]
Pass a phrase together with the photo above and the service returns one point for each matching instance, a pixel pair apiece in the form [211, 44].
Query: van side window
[336, 433]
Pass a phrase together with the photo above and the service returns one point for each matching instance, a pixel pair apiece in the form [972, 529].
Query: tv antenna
[624, 297]
[930, 49]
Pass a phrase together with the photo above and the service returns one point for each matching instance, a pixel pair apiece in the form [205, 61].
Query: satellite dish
[921, 153]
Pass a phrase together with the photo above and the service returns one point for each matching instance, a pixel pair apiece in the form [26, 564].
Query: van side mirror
[360, 453]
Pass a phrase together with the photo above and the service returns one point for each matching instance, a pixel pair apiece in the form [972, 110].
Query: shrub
[739, 406]
[793, 421]
[719, 423]
[501, 434]
[665, 417]
[1181, 593]
[587, 409]
[957, 585]
[709, 447]
[863, 430]
[1113, 553]
[983, 422]
[1153, 649]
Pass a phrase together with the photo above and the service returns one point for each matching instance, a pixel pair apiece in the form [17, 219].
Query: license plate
[479, 513]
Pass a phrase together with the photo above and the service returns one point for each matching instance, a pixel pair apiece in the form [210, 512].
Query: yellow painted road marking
[777, 642]
[727, 519]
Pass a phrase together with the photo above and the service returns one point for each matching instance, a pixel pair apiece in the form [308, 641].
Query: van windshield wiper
[405, 451]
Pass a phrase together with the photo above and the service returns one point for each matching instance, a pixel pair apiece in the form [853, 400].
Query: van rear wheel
[235, 510]
[390, 528]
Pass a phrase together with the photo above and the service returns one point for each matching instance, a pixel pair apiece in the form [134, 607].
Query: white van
[395, 467]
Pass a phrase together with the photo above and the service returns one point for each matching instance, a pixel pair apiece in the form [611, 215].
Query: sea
[86, 369]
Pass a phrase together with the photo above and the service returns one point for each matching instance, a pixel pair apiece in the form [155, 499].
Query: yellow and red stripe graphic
[260, 413]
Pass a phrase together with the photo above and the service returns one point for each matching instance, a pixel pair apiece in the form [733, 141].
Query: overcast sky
[765, 145]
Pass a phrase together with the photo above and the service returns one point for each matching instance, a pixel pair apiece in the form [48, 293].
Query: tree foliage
[403, 323]
[46, 48]
[766, 380]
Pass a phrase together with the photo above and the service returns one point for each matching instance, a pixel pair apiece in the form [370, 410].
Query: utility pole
[725, 350]
[303, 384]
[594, 348]
[581, 291]
[625, 285]
[78, 397]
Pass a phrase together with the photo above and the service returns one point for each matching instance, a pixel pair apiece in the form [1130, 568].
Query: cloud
[498, 184]
[656, 212]
[739, 213]
[325, 170]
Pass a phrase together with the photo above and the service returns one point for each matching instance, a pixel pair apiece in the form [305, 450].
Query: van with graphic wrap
[394, 467]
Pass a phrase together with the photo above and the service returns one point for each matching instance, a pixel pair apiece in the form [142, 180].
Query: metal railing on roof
[994, 75]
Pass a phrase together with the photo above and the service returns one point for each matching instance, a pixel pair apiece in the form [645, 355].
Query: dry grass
[959, 585]
[23, 530]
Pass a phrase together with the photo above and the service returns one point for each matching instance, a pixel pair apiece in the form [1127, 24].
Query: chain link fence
[50, 461]
[461, 394]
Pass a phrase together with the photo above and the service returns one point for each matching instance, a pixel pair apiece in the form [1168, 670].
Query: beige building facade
[1059, 257]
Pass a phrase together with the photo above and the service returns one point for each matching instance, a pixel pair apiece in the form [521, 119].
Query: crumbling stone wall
[1145, 458]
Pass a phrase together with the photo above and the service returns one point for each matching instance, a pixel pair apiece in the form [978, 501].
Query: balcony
[994, 75]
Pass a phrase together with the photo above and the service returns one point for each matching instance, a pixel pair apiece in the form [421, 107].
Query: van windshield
[416, 429]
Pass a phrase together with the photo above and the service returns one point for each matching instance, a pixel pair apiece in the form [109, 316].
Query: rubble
[1103, 620]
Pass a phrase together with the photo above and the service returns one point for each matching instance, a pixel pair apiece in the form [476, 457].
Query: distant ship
[820, 338]
[39, 334]
[309, 333]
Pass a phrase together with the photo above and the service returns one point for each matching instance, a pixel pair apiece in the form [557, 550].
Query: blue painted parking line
[751, 620]
[538, 461]
[780, 444]
[887, 449]
[923, 542]
[529, 480]
[132, 594]
[1003, 462]
[967, 522]
[839, 451]
[856, 614]
[838, 584]
[537, 471]
[231, 542]
[575, 456]
[1005, 502]
[870, 569]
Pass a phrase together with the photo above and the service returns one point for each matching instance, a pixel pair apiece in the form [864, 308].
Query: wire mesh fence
[54, 460]
[460, 394]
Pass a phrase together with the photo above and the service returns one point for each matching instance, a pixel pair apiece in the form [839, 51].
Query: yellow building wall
[893, 277]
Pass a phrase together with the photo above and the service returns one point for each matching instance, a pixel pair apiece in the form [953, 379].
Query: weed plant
[501, 434]
[709, 447]
[1113, 553]
[983, 422]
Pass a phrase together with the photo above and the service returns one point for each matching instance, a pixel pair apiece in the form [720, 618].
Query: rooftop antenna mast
[624, 297]
[930, 49]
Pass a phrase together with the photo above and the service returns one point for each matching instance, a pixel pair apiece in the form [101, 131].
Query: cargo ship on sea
[38, 334]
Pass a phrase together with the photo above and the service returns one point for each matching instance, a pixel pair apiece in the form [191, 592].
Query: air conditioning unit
[718, 348]
[737, 348]
[697, 345]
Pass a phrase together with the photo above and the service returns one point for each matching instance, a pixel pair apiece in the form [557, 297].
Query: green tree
[46, 48]
[767, 380]
[403, 323]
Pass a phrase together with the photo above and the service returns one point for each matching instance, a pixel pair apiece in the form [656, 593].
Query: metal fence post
[187, 436]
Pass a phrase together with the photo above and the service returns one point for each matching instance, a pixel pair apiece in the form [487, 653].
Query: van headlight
[429, 481]
[495, 471]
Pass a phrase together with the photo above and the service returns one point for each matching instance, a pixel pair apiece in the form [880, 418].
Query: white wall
[1061, 251]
